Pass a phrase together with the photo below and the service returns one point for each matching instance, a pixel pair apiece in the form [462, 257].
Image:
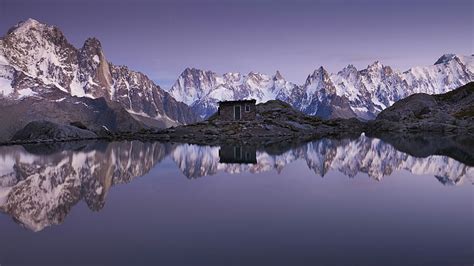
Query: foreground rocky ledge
[276, 121]
[449, 114]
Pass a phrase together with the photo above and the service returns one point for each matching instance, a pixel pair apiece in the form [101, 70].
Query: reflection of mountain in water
[39, 186]
[39, 190]
[363, 155]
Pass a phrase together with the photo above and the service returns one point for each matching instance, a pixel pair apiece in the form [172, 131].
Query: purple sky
[161, 38]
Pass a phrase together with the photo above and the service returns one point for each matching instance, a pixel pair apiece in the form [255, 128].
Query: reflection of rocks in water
[238, 154]
[350, 157]
[39, 190]
[459, 147]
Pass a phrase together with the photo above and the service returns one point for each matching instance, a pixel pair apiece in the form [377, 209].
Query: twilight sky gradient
[161, 38]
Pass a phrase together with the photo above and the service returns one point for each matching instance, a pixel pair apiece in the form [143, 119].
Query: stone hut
[241, 110]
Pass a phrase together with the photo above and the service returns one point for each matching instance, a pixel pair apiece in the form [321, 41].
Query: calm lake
[329, 202]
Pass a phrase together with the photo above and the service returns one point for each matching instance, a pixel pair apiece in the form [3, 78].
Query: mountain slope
[37, 51]
[348, 93]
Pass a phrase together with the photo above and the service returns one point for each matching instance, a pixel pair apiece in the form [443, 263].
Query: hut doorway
[237, 112]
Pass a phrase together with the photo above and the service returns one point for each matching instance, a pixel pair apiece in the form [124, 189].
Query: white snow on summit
[367, 91]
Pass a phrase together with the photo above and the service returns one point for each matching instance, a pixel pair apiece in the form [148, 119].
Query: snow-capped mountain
[348, 93]
[203, 89]
[41, 54]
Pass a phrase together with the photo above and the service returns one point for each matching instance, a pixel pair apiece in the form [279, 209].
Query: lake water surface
[329, 202]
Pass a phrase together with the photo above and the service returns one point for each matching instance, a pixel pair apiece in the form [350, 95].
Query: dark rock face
[36, 60]
[411, 107]
[96, 115]
[45, 130]
[420, 144]
[452, 112]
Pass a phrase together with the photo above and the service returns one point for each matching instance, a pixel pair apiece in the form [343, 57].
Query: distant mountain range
[348, 93]
[43, 76]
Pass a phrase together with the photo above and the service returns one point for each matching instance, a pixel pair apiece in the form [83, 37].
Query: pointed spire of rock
[375, 65]
[318, 74]
[278, 75]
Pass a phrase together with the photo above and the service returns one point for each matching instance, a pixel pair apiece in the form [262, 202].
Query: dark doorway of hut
[237, 112]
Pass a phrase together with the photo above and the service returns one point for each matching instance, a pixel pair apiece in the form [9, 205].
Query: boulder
[46, 130]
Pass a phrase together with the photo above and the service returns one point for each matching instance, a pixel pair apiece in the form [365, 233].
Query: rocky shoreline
[449, 114]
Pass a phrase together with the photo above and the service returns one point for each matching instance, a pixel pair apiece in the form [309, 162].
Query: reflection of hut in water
[237, 154]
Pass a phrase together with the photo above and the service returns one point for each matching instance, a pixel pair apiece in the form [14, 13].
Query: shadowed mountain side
[97, 115]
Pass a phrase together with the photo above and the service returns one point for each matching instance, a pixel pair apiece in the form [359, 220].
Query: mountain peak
[28, 22]
[254, 73]
[92, 42]
[375, 65]
[319, 72]
[349, 68]
[196, 72]
[24, 26]
[445, 58]
[189, 71]
[278, 75]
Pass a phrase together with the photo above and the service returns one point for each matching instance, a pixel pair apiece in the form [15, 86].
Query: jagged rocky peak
[194, 76]
[319, 75]
[35, 32]
[92, 47]
[40, 51]
[189, 71]
[192, 72]
[96, 75]
[257, 77]
[377, 69]
[348, 71]
[278, 76]
[27, 25]
[376, 65]
[445, 59]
